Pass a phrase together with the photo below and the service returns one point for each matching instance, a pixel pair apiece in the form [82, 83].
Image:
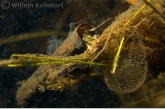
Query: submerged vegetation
[126, 52]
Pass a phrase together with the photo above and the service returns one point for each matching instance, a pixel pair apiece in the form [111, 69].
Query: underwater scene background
[26, 16]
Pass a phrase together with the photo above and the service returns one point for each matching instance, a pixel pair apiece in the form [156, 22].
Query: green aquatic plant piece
[137, 13]
[117, 56]
[155, 10]
[4, 62]
[96, 74]
[52, 86]
[18, 60]
[31, 35]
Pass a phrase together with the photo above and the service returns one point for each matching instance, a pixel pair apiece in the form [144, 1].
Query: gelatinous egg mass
[132, 72]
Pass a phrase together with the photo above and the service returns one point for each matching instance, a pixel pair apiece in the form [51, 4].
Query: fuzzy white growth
[54, 43]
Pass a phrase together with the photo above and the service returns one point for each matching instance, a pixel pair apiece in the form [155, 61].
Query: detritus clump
[131, 74]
